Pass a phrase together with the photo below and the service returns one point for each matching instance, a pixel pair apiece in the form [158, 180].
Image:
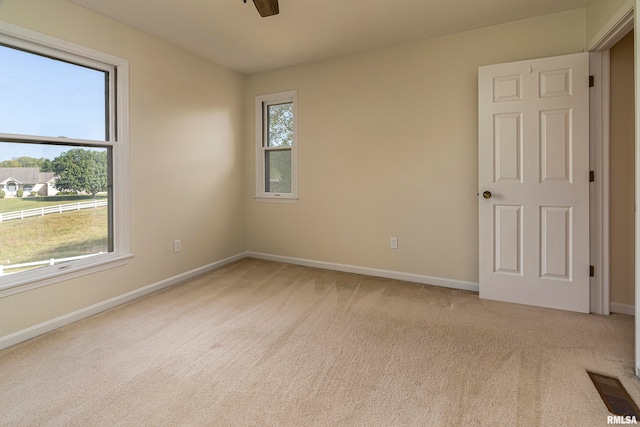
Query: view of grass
[25, 203]
[53, 236]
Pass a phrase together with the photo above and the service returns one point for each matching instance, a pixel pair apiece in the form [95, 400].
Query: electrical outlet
[177, 246]
[393, 242]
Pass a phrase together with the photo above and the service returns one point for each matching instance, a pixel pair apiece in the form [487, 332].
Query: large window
[63, 160]
[276, 147]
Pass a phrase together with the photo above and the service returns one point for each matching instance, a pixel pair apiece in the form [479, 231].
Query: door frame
[617, 27]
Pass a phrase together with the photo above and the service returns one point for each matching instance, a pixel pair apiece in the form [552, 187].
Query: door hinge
[592, 176]
[592, 271]
[592, 81]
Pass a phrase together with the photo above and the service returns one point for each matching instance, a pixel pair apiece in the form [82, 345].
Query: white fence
[46, 210]
[52, 261]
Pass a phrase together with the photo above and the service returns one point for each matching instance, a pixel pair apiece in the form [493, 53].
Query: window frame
[117, 141]
[261, 117]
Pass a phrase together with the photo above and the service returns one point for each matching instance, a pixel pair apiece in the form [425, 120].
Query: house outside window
[63, 130]
[276, 147]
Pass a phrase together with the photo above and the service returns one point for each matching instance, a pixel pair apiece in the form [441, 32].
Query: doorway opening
[621, 177]
[612, 157]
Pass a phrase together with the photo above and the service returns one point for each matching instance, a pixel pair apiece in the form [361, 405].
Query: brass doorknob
[486, 194]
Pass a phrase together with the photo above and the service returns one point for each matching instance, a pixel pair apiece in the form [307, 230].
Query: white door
[534, 182]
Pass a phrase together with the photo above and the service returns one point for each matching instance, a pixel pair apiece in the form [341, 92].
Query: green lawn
[25, 203]
[54, 236]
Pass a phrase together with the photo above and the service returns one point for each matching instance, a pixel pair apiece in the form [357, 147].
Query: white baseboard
[58, 322]
[389, 274]
[616, 307]
[53, 324]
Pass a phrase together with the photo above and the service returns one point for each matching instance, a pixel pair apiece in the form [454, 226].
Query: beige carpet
[258, 343]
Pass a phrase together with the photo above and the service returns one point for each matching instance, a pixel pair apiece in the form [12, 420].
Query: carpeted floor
[259, 343]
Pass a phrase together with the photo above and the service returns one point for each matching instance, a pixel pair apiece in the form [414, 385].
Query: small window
[63, 135]
[276, 147]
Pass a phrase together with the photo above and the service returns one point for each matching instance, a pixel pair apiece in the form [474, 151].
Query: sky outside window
[48, 97]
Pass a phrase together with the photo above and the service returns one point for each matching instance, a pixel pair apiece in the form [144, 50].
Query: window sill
[276, 199]
[60, 274]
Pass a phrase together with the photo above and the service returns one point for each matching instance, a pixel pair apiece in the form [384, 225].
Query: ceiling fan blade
[267, 7]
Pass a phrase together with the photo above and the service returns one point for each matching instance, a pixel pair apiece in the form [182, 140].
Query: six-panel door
[534, 160]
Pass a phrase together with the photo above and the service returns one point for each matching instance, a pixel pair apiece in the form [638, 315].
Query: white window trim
[261, 195]
[15, 36]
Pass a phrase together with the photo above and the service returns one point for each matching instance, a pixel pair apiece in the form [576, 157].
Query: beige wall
[598, 14]
[388, 147]
[187, 161]
[622, 172]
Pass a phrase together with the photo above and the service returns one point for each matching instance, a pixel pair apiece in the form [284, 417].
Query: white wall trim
[389, 274]
[619, 308]
[599, 127]
[67, 319]
[615, 29]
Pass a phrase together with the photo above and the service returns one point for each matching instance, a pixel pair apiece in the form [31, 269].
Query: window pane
[278, 171]
[48, 97]
[54, 204]
[280, 125]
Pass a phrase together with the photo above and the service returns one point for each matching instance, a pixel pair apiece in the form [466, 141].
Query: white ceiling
[233, 34]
